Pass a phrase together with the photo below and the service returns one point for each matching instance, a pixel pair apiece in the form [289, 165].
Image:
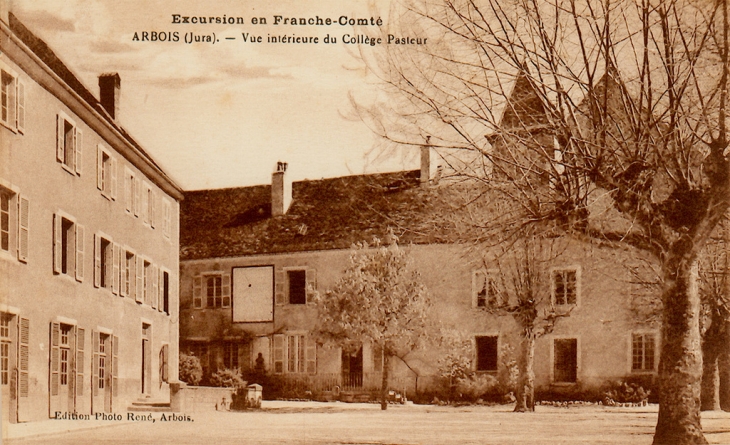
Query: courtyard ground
[339, 423]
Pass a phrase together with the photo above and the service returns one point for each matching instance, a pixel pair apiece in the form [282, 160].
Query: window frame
[554, 271]
[644, 370]
[553, 340]
[74, 165]
[200, 290]
[288, 285]
[476, 353]
[106, 172]
[490, 277]
[76, 272]
[14, 96]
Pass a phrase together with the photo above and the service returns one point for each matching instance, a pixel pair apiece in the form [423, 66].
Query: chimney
[280, 190]
[5, 7]
[425, 163]
[109, 88]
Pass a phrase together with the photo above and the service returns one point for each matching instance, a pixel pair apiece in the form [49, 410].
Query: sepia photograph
[354, 222]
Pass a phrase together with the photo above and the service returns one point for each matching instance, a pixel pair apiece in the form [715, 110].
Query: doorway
[352, 369]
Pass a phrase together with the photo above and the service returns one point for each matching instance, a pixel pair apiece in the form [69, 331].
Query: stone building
[88, 244]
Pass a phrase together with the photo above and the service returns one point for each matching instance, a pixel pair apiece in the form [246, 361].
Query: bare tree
[522, 290]
[606, 118]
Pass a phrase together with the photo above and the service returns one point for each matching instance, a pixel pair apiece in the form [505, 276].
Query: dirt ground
[339, 423]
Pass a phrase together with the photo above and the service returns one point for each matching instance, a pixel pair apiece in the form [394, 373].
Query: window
[642, 352]
[103, 355]
[166, 217]
[297, 351]
[68, 144]
[165, 304]
[297, 286]
[65, 353]
[565, 360]
[68, 251]
[127, 273]
[565, 287]
[5, 343]
[14, 223]
[106, 173]
[129, 192]
[487, 353]
[217, 288]
[146, 282]
[486, 290]
[12, 99]
[230, 355]
[106, 263]
[151, 207]
[165, 363]
[5, 221]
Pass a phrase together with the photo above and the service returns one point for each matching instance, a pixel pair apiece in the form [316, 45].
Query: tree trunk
[680, 367]
[525, 397]
[711, 346]
[723, 364]
[384, 386]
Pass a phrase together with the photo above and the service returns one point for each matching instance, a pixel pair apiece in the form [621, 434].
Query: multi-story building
[248, 255]
[88, 244]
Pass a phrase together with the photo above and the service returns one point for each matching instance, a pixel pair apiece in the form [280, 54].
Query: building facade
[247, 262]
[89, 244]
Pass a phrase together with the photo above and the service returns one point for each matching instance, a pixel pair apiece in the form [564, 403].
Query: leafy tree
[191, 371]
[380, 299]
[605, 117]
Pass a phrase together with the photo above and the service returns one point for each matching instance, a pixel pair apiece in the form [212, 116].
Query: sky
[221, 115]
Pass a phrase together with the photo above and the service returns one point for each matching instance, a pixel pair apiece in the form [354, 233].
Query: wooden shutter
[166, 211]
[311, 355]
[161, 290]
[23, 360]
[155, 282]
[100, 168]
[23, 228]
[279, 353]
[97, 260]
[139, 288]
[128, 178]
[80, 344]
[113, 179]
[95, 363]
[145, 203]
[20, 113]
[80, 252]
[55, 358]
[57, 243]
[137, 195]
[115, 366]
[153, 208]
[226, 290]
[311, 277]
[164, 363]
[78, 145]
[60, 143]
[115, 268]
[198, 292]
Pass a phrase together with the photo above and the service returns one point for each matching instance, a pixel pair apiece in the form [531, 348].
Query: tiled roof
[46, 54]
[324, 214]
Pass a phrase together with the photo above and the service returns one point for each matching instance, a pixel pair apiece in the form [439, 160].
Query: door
[352, 369]
[146, 359]
[8, 367]
[101, 373]
[62, 369]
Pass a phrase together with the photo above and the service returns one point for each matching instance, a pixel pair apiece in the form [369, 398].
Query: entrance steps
[148, 405]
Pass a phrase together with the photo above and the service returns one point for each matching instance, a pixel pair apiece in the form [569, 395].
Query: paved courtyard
[338, 423]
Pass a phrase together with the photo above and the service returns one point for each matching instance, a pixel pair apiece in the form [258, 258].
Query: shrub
[227, 378]
[478, 386]
[625, 392]
[190, 369]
